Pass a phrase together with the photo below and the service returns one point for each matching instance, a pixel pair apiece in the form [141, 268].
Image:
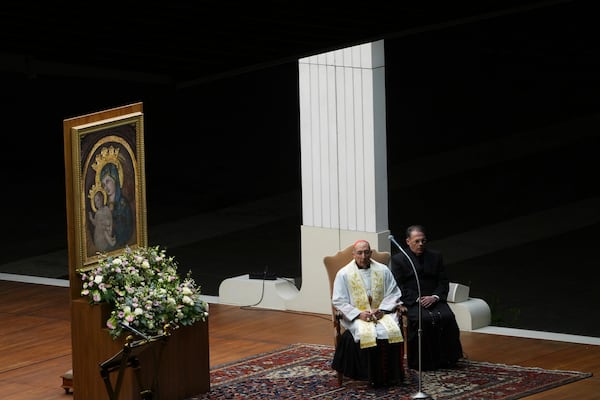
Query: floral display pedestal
[180, 370]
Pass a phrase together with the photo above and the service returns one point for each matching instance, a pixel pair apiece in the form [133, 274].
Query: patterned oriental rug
[303, 371]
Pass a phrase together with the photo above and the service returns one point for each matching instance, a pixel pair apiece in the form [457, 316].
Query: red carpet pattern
[303, 371]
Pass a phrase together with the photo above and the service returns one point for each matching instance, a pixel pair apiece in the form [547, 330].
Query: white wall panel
[321, 59]
[347, 59]
[359, 158]
[338, 57]
[380, 149]
[345, 174]
[315, 134]
[377, 54]
[332, 170]
[365, 56]
[330, 58]
[349, 188]
[323, 119]
[368, 144]
[342, 138]
[356, 51]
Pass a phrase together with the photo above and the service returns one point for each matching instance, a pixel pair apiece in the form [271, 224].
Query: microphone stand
[420, 394]
[132, 329]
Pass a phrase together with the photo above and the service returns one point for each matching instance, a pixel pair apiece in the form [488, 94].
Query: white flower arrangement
[145, 291]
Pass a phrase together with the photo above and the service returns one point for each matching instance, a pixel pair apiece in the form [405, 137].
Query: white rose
[186, 291]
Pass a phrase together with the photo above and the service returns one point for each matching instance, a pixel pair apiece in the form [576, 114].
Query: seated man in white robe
[367, 295]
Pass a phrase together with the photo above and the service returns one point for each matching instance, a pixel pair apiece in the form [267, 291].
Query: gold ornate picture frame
[106, 191]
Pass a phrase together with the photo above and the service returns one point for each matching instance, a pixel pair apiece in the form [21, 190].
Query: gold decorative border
[108, 144]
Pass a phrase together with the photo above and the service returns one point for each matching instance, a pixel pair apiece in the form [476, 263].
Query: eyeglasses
[361, 252]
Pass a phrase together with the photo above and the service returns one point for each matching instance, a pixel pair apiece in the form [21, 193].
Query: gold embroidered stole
[367, 330]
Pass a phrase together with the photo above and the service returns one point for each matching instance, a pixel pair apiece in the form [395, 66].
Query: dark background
[229, 141]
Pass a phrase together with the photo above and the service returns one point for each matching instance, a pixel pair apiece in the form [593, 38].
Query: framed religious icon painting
[105, 176]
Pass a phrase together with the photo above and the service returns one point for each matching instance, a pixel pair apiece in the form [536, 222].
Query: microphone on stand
[420, 394]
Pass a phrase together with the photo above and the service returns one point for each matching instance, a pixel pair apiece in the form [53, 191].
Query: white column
[343, 160]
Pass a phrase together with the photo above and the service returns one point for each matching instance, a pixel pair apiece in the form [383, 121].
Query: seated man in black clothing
[440, 341]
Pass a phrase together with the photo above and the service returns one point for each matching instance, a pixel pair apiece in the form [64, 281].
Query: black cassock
[380, 365]
[440, 340]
